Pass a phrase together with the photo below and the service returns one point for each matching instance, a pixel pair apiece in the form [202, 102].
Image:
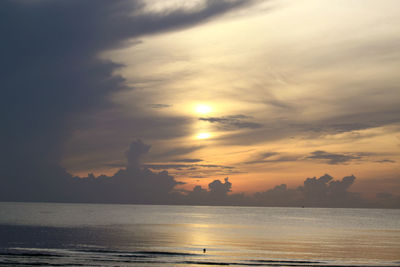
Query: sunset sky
[263, 92]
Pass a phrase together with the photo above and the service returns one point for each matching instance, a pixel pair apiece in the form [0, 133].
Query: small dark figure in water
[204, 250]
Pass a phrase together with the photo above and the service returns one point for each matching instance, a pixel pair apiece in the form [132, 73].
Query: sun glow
[203, 109]
[203, 136]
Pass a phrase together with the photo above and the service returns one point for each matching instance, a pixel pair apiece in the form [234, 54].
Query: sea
[52, 234]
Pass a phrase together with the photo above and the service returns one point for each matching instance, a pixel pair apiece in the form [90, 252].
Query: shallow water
[148, 235]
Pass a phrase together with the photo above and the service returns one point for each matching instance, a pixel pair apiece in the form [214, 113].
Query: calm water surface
[148, 235]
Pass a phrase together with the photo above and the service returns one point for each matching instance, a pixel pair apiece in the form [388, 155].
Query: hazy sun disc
[203, 135]
[203, 109]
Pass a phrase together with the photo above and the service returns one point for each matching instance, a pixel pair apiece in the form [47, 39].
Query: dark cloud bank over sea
[137, 184]
[52, 74]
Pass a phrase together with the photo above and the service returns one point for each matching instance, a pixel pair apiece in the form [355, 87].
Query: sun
[203, 109]
[203, 136]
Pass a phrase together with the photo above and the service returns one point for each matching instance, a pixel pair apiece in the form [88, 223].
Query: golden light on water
[203, 109]
[203, 136]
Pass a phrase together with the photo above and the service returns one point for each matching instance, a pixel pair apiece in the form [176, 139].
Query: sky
[242, 102]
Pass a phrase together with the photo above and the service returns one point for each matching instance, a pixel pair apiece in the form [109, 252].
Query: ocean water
[49, 234]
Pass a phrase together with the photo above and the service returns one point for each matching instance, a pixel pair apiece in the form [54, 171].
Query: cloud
[332, 158]
[131, 184]
[218, 188]
[272, 157]
[232, 122]
[315, 192]
[217, 194]
[327, 191]
[280, 195]
[187, 160]
[386, 161]
[53, 75]
[136, 183]
[136, 149]
[194, 170]
[159, 106]
[166, 166]
[177, 151]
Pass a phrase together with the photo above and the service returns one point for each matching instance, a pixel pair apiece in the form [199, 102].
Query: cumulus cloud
[136, 183]
[328, 192]
[136, 149]
[132, 184]
[217, 194]
[280, 195]
[315, 192]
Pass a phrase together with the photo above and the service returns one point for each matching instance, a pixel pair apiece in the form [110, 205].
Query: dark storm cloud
[131, 184]
[232, 122]
[52, 74]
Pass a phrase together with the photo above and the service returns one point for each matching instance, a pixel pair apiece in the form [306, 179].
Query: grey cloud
[166, 166]
[315, 192]
[280, 195]
[319, 155]
[275, 160]
[354, 120]
[159, 106]
[217, 193]
[52, 75]
[218, 189]
[272, 157]
[137, 184]
[187, 160]
[386, 161]
[326, 190]
[332, 158]
[194, 170]
[132, 184]
[136, 149]
[232, 122]
[114, 165]
[99, 139]
[178, 151]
